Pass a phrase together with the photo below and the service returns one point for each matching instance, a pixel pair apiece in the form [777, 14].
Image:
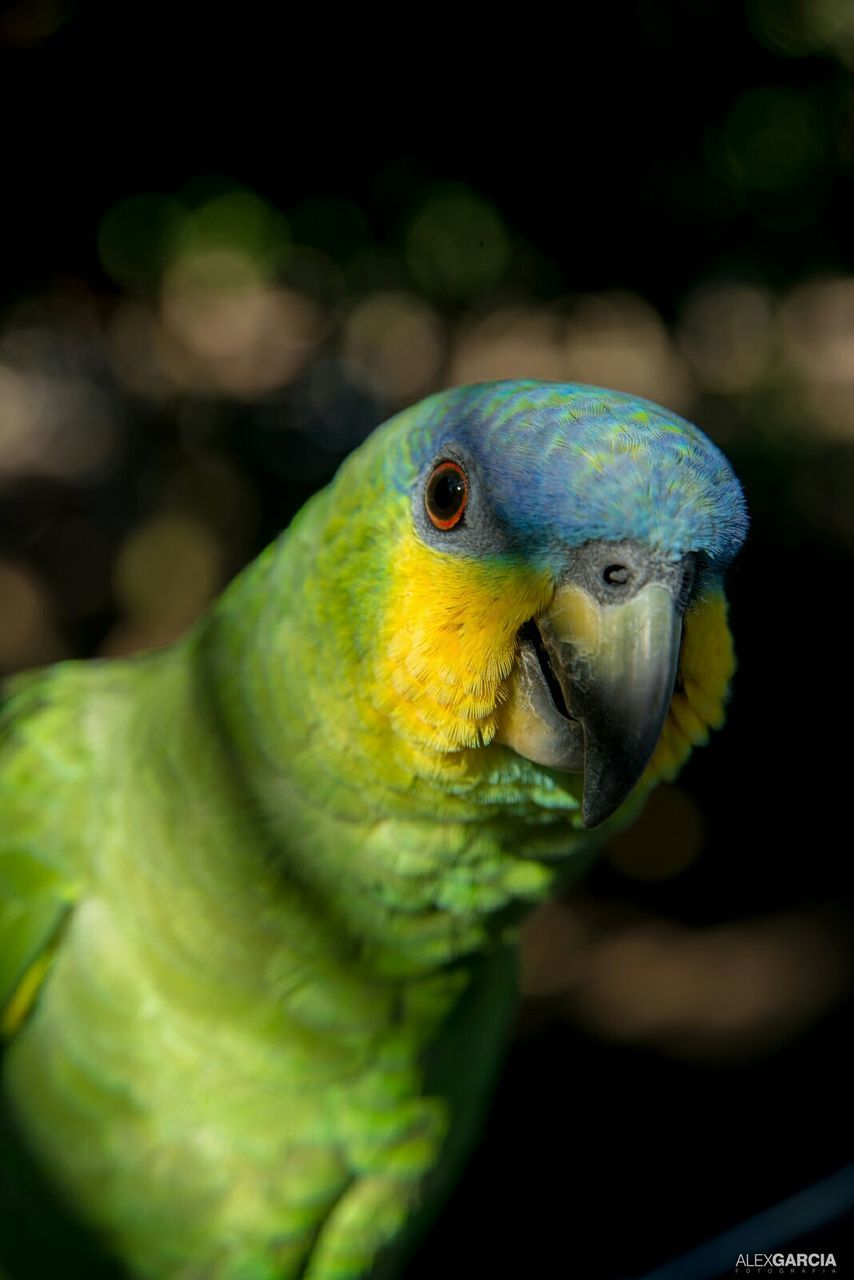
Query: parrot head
[553, 558]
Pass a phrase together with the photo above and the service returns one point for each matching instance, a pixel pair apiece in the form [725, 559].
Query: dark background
[231, 245]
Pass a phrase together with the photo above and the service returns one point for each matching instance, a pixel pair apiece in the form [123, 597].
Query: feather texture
[257, 891]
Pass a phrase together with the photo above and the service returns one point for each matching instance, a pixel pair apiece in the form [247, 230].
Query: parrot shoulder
[45, 805]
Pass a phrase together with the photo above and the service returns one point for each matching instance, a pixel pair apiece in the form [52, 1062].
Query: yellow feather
[706, 668]
[24, 995]
[450, 643]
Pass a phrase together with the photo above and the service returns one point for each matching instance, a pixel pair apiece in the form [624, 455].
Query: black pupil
[446, 493]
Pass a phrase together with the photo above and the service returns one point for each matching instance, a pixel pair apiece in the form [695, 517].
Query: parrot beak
[616, 666]
[593, 687]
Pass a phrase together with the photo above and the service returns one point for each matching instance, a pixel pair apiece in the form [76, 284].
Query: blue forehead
[567, 463]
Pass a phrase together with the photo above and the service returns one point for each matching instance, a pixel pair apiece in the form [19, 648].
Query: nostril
[616, 575]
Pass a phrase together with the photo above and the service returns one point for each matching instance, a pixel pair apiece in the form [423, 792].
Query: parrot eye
[446, 495]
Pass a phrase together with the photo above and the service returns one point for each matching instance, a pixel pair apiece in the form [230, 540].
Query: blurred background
[229, 250]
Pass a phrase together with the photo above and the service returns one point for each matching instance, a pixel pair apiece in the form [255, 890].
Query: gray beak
[595, 672]
[616, 665]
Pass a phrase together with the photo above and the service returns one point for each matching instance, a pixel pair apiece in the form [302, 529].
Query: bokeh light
[722, 992]
[619, 340]
[457, 245]
[666, 839]
[818, 332]
[772, 140]
[400, 340]
[728, 334]
[24, 23]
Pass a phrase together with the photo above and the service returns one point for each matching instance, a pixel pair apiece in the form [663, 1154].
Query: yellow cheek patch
[706, 668]
[450, 643]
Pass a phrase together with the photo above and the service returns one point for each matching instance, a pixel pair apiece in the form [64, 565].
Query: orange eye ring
[446, 495]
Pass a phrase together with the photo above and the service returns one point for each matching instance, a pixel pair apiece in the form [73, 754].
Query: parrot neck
[425, 854]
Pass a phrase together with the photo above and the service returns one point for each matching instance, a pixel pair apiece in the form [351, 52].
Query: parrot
[261, 891]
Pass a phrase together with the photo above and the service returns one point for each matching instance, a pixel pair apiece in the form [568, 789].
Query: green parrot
[259, 892]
